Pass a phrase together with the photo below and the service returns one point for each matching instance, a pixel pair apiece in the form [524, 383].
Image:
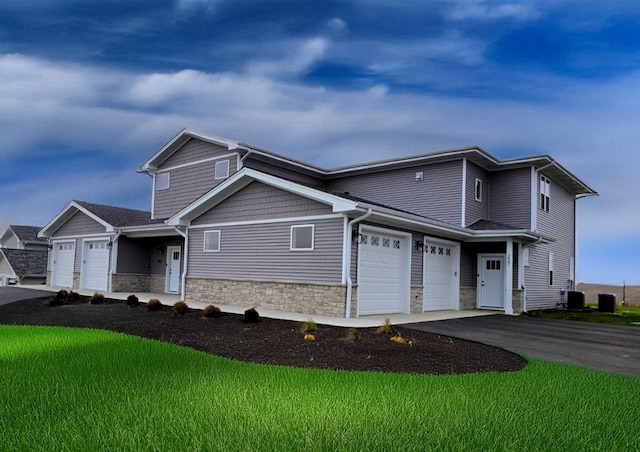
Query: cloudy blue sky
[90, 89]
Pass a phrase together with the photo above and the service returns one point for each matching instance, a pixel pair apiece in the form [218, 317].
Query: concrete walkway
[360, 322]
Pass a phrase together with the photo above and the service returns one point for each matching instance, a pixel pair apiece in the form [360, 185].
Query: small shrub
[251, 316]
[73, 297]
[55, 301]
[62, 295]
[96, 298]
[180, 308]
[154, 305]
[386, 327]
[398, 339]
[354, 335]
[309, 337]
[132, 300]
[211, 311]
[308, 327]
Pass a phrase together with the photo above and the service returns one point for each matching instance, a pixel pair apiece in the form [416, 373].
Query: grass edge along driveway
[79, 389]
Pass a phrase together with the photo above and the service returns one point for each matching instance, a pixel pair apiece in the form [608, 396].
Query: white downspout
[347, 261]
[524, 283]
[183, 284]
[114, 257]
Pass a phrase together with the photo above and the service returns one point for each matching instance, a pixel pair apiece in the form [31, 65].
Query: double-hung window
[212, 241]
[545, 193]
[302, 237]
[222, 170]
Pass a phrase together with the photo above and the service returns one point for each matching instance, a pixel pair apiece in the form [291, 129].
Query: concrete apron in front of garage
[360, 322]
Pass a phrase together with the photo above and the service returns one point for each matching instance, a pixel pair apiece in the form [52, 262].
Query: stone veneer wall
[517, 300]
[76, 280]
[157, 283]
[130, 283]
[417, 300]
[468, 298]
[316, 299]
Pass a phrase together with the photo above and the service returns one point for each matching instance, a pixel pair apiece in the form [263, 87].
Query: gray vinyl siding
[510, 197]
[469, 261]
[284, 173]
[476, 210]
[558, 223]
[258, 201]
[262, 252]
[134, 257]
[79, 224]
[437, 196]
[158, 264]
[194, 151]
[190, 182]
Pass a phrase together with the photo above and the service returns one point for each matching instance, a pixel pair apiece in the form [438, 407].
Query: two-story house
[234, 224]
[23, 256]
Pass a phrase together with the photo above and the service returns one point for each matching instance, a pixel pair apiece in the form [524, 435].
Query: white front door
[95, 265]
[441, 287]
[173, 268]
[383, 271]
[63, 262]
[491, 271]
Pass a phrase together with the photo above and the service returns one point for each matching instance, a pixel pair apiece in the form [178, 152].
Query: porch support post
[508, 279]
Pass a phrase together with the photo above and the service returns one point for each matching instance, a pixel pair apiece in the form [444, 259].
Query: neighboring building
[234, 224]
[23, 256]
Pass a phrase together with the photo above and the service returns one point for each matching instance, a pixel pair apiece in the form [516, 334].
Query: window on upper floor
[212, 241]
[302, 237]
[163, 181]
[545, 193]
[222, 169]
[478, 190]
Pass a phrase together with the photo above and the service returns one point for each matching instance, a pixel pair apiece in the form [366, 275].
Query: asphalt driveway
[9, 294]
[610, 348]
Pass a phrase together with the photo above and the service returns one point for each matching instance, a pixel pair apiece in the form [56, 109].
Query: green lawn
[78, 389]
[624, 315]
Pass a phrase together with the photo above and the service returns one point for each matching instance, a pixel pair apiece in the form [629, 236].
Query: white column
[508, 279]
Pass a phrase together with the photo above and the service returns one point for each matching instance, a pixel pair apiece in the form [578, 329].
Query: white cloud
[487, 10]
[296, 58]
[336, 24]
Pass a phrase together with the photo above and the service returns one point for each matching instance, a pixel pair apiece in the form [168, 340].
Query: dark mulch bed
[274, 341]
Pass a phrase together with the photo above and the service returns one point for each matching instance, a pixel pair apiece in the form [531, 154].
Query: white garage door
[383, 276]
[440, 275]
[95, 265]
[63, 260]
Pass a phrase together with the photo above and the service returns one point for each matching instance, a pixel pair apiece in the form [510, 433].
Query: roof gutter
[347, 260]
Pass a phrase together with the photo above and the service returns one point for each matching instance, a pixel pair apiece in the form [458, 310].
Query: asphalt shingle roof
[32, 262]
[119, 216]
[27, 233]
[487, 225]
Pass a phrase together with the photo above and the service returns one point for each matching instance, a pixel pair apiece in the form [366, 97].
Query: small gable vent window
[545, 193]
[478, 190]
[163, 181]
[302, 237]
[212, 241]
[222, 170]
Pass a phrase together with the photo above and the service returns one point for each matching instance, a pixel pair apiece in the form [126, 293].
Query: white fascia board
[178, 141]
[65, 214]
[158, 230]
[243, 178]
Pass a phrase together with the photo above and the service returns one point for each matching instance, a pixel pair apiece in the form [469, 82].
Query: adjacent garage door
[383, 272]
[440, 275]
[95, 265]
[62, 266]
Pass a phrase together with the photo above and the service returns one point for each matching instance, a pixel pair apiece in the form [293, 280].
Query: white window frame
[300, 226]
[551, 264]
[225, 175]
[478, 190]
[545, 193]
[159, 178]
[204, 241]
